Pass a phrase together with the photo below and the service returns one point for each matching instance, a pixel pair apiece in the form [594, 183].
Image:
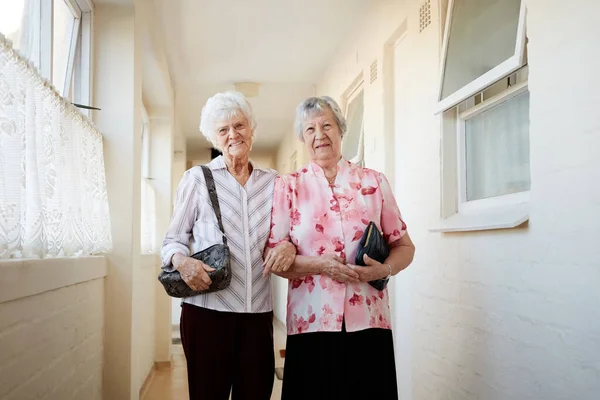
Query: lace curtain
[53, 199]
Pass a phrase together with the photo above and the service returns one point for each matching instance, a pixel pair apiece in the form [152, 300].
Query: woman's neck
[238, 167]
[329, 167]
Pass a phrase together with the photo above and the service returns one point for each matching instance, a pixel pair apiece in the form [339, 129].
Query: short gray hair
[316, 105]
[222, 106]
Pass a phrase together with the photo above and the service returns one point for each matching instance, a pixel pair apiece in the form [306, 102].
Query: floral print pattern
[319, 220]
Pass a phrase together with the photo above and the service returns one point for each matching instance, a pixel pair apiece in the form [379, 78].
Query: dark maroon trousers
[228, 352]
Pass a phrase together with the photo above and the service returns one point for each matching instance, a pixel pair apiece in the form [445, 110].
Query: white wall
[501, 314]
[145, 300]
[51, 324]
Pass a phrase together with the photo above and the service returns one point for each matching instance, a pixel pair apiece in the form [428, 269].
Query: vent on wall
[424, 16]
[373, 71]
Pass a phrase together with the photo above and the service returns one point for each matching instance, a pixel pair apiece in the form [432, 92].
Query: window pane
[497, 150]
[482, 35]
[62, 30]
[354, 118]
[12, 21]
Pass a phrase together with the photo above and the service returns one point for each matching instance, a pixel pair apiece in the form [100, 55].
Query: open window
[484, 99]
[484, 41]
[353, 142]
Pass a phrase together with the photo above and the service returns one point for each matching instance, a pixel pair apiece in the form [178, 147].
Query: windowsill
[505, 217]
[29, 277]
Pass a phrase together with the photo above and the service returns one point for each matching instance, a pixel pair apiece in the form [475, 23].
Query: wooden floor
[170, 383]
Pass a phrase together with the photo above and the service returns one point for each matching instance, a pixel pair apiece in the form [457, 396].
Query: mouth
[321, 146]
[236, 144]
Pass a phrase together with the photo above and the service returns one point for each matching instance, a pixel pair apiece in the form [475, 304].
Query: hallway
[481, 114]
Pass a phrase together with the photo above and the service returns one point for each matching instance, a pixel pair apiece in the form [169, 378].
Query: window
[484, 42]
[56, 36]
[485, 103]
[353, 142]
[12, 21]
[148, 194]
[65, 34]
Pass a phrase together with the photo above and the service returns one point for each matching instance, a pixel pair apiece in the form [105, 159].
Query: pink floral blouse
[319, 220]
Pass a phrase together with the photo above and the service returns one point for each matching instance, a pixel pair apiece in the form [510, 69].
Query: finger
[369, 261]
[208, 268]
[287, 265]
[352, 271]
[267, 269]
[339, 259]
[268, 258]
[271, 260]
[206, 279]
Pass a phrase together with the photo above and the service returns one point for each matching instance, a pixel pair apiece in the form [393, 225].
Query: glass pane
[354, 118]
[62, 29]
[12, 21]
[482, 35]
[497, 150]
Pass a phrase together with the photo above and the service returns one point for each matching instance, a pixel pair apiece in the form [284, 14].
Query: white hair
[225, 106]
[316, 105]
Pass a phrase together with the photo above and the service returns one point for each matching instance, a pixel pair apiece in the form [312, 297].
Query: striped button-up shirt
[246, 215]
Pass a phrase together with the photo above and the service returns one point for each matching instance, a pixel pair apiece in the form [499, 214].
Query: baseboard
[162, 365]
[146, 385]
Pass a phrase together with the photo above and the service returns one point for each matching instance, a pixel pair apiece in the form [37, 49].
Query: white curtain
[497, 150]
[53, 199]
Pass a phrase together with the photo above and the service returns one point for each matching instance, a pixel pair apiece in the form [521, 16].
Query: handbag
[374, 245]
[216, 256]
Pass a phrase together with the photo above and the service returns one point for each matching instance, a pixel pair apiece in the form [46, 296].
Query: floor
[170, 382]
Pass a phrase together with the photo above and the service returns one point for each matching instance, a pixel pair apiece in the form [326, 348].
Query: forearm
[400, 257]
[303, 266]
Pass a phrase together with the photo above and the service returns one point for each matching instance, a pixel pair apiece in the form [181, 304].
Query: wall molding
[23, 278]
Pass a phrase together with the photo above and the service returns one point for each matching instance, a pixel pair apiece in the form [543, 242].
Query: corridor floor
[170, 383]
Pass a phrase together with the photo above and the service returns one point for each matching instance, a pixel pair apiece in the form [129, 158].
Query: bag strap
[212, 193]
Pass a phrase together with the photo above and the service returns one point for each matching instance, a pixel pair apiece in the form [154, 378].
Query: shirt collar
[219, 163]
[343, 166]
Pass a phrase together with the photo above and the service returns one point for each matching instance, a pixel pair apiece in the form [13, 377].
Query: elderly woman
[227, 335]
[339, 342]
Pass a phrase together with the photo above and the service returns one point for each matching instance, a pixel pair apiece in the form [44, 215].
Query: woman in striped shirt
[227, 335]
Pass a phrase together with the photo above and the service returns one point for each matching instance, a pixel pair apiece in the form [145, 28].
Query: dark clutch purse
[216, 256]
[374, 245]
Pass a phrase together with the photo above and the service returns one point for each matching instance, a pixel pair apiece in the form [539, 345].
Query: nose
[319, 134]
[232, 132]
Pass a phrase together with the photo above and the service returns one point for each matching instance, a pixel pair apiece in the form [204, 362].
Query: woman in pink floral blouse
[339, 327]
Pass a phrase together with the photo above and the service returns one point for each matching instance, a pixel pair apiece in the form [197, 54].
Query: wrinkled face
[234, 136]
[322, 137]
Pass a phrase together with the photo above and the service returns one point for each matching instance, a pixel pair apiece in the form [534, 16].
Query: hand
[335, 268]
[193, 272]
[280, 258]
[373, 271]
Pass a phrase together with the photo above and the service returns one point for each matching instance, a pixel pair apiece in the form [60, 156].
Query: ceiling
[283, 45]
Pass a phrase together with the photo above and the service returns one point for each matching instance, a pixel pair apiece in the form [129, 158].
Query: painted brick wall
[500, 315]
[51, 344]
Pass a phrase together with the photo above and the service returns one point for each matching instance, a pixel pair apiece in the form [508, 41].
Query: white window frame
[145, 147]
[351, 93]
[474, 206]
[502, 70]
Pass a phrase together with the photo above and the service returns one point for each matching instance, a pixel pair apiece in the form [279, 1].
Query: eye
[310, 129]
[222, 131]
[327, 126]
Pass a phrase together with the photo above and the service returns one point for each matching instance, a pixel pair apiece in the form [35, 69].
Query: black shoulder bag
[216, 256]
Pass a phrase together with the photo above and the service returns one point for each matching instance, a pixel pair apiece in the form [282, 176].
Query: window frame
[464, 205]
[351, 93]
[516, 61]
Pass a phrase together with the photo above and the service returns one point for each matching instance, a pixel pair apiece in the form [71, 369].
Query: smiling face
[322, 137]
[234, 136]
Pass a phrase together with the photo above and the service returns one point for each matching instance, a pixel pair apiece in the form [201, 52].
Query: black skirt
[340, 365]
